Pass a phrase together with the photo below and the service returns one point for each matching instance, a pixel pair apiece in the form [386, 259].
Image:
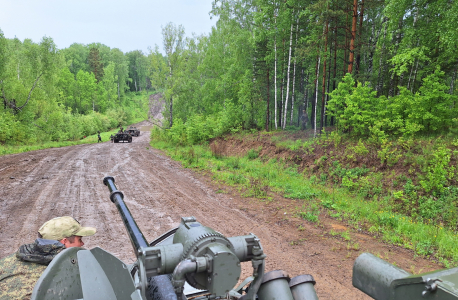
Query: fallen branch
[12, 103]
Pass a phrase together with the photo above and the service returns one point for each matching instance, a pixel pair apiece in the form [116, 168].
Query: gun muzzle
[117, 197]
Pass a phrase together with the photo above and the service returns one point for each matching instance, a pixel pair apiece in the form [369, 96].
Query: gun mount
[384, 281]
[191, 261]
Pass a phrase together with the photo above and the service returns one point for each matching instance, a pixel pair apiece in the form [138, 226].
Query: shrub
[253, 154]
[438, 171]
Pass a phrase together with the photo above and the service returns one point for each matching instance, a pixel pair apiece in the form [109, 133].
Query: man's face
[77, 242]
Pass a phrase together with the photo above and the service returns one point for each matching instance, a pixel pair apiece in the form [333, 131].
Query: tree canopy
[389, 65]
[52, 94]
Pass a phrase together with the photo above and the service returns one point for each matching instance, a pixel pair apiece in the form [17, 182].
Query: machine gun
[188, 262]
[384, 281]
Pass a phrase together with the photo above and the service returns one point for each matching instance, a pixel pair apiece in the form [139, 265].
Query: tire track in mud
[68, 181]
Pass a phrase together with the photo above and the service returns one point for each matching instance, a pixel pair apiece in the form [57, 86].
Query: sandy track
[68, 181]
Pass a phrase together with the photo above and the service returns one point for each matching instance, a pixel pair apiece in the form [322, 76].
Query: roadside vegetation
[54, 97]
[8, 149]
[408, 199]
[72, 129]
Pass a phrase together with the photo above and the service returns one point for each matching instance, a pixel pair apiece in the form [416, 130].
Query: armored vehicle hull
[133, 131]
[122, 137]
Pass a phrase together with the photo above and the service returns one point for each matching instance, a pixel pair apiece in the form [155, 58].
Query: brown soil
[40, 185]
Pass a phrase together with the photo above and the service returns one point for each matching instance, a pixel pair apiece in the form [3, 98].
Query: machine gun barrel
[136, 236]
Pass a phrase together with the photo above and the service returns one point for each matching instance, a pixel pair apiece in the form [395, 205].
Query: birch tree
[288, 75]
[294, 76]
[173, 41]
[275, 74]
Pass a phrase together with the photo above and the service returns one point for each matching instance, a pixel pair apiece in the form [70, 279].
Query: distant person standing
[100, 138]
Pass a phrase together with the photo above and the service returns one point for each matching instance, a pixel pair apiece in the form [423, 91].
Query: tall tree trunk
[275, 75]
[294, 77]
[371, 50]
[414, 77]
[315, 84]
[358, 57]
[301, 88]
[382, 65]
[288, 76]
[282, 86]
[353, 36]
[418, 41]
[328, 84]
[280, 108]
[335, 66]
[346, 43]
[292, 93]
[373, 40]
[268, 101]
[306, 98]
[325, 31]
[316, 95]
[393, 83]
[412, 70]
[410, 74]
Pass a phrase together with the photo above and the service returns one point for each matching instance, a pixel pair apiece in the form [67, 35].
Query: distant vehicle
[122, 137]
[133, 131]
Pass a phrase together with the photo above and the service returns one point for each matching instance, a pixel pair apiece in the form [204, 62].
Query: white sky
[127, 25]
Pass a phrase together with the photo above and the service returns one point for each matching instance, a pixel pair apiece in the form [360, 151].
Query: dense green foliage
[360, 111]
[272, 60]
[56, 95]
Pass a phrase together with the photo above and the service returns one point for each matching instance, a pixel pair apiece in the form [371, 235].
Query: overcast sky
[127, 25]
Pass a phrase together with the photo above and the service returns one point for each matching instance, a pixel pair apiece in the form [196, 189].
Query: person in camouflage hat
[20, 271]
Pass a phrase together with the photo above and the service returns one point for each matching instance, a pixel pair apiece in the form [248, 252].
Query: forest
[368, 67]
[373, 83]
[51, 94]
[366, 88]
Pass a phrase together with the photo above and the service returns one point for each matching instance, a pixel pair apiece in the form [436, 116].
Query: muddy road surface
[40, 185]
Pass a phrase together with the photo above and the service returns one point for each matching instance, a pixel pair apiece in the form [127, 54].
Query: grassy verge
[258, 177]
[5, 149]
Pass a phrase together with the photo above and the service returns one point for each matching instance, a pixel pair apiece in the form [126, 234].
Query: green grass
[4, 149]
[252, 175]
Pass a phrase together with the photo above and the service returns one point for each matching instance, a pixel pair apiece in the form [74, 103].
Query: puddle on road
[146, 128]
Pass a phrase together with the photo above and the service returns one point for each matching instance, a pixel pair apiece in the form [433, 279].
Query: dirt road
[40, 185]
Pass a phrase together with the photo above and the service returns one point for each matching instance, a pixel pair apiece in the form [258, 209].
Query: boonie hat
[63, 227]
